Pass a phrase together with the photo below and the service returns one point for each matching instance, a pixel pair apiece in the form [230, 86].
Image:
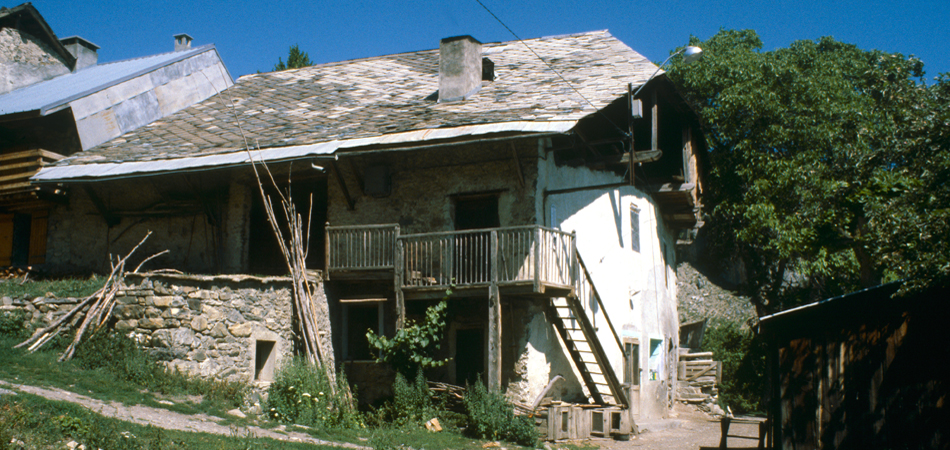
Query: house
[863, 370]
[56, 100]
[536, 189]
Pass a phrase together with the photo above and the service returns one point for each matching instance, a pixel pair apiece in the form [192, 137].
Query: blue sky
[251, 35]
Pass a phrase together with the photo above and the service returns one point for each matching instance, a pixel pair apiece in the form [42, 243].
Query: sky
[252, 35]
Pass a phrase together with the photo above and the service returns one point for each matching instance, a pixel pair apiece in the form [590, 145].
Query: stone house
[537, 190]
[56, 100]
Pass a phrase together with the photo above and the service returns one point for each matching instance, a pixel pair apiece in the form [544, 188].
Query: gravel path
[687, 429]
[163, 418]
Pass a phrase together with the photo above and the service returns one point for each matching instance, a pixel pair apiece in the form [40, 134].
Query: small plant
[411, 402]
[490, 416]
[410, 350]
[12, 324]
[302, 394]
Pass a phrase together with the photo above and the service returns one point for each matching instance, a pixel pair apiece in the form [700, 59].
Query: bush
[12, 324]
[411, 402]
[121, 356]
[490, 416]
[743, 366]
[410, 350]
[302, 394]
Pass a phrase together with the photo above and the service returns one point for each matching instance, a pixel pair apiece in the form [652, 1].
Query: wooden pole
[494, 321]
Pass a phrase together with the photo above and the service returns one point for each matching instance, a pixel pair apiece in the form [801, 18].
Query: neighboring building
[56, 100]
[865, 370]
[472, 167]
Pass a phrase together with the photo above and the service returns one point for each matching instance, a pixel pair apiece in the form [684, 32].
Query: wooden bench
[726, 421]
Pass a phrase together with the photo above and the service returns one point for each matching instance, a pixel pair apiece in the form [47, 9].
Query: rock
[126, 325]
[194, 304]
[6, 301]
[234, 316]
[242, 329]
[213, 314]
[123, 311]
[219, 331]
[237, 413]
[152, 323]
[174, 338]
[199, 323]
[715, 410]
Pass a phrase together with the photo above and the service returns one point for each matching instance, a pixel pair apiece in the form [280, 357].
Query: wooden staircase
[580, 338]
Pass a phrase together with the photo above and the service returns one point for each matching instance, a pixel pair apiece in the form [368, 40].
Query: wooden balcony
[524, 260]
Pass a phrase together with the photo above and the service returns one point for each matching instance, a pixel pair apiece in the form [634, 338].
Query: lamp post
[690, 54]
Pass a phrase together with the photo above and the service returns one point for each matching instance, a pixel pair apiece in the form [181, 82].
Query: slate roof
[51, 95]
[378, 97]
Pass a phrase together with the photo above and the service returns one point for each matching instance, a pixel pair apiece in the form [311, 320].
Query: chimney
[81, 49]
[460, 68]
[182, 42]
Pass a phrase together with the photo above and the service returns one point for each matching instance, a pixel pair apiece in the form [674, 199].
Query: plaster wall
[636, 285]
[111, 112]
[424, 181]
[25, 60]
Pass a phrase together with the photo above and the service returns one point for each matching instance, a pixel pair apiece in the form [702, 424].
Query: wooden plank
[38, 227]
[6, 239]
[33, 165]
[707, 355]
[494, 322]
[34, 153]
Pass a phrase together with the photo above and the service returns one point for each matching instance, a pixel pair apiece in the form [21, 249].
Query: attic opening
[264, 255]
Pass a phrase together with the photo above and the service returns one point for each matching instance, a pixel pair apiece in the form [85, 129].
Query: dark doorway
[264, 254]
[475, 212]
[469, 355]
[472, 263]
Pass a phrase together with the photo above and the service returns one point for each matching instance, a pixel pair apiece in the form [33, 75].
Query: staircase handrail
[593, 288]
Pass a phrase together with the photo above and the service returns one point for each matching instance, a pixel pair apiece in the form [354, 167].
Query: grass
[44, 424]
[61, 288]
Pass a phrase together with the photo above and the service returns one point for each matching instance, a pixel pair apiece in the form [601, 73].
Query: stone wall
[214, 327]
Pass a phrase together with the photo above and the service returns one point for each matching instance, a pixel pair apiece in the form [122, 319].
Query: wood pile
[11, 273]
[95, 310]
[698, 376]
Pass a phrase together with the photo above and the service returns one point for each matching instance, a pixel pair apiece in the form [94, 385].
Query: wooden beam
[494, 322]
[514, 155]
[111, 219]
[398, 269]
[350, 203]
[642, 157]
[654, 123]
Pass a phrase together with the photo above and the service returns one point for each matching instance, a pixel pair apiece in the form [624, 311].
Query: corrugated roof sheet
[54, 93]
[373, 98]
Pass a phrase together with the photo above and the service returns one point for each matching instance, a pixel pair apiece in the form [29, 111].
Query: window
[264, 360]
[634, 228]
[656, 358]
[631, 366]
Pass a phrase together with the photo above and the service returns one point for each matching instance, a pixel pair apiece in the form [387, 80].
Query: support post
[399, 263]
[494, 321]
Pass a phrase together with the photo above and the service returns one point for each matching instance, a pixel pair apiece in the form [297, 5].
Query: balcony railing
[529, 255]
[361, 248]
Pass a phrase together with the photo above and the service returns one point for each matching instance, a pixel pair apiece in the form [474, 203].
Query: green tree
[412, 348]
[295, 60]
[828, 165]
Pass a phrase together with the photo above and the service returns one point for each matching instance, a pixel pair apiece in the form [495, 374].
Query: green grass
[61, 288]
[44, 424]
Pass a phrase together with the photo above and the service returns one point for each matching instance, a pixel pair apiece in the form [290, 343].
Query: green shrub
[411, 402]
[12, 324]
[410, 350]
[490, 416]
[302, 394]
[121, 356]
[743, 366]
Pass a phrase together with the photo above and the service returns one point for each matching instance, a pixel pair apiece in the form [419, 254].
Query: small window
[631, 367]
[634, 228]
[264, 360]
[361, 317]
[656, 358]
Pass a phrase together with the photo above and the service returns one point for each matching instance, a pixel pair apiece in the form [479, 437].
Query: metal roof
[50, 95]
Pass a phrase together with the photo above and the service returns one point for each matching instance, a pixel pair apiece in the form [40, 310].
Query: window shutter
[38, 237]
[6, 239]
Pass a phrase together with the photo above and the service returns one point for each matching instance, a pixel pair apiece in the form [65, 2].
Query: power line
[568, 83]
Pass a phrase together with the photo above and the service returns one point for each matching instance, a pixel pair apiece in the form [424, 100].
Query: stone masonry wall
[207, 326]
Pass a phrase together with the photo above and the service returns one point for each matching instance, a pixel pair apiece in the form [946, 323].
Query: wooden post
[399, 263]
[537, 258]
[494, 321]
[326, 247]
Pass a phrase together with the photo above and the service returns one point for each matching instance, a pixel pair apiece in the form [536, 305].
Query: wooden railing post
[326, 246]
[399, 267]
[494, 320]
[537, 259]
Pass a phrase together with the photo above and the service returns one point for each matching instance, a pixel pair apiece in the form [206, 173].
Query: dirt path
[687, 429]
[163, 418]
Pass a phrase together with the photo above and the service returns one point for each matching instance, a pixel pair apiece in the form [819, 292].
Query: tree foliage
[412, 348]
[828, 165]
[295, 60]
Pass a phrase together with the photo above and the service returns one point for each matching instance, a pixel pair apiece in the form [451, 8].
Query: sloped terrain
[700, 298]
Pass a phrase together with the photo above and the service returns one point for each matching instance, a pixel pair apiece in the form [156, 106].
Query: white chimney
[460, 68]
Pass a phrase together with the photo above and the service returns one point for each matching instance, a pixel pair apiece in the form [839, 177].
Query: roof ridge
[198, 49]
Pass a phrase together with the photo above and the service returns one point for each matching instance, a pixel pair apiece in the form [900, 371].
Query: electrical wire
[568, 83]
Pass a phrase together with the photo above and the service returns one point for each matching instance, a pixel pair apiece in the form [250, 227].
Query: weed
[490, 416]
[62, 288]
[411, 402]
[302, 393]
[14, 324]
